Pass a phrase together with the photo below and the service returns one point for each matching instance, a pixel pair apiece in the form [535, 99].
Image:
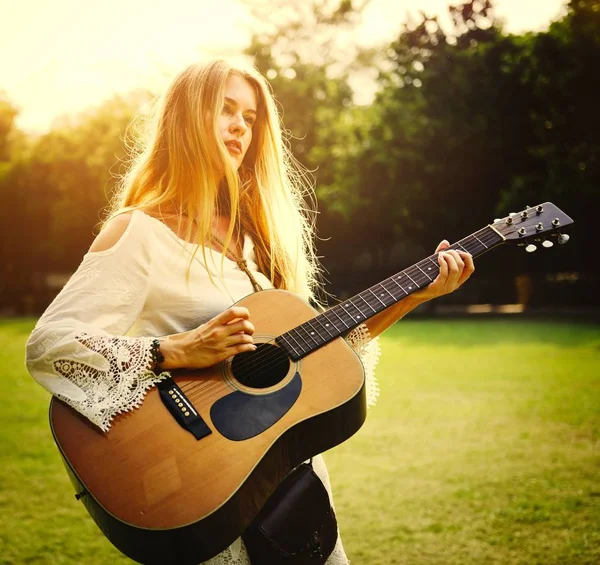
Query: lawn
[483, 448]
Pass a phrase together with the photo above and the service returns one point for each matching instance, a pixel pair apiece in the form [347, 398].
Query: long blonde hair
[182, 163]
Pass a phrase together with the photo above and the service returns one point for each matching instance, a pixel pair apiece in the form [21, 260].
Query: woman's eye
[250, 120]
[227, 109]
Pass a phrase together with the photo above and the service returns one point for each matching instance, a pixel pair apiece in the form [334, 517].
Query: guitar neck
[347, 315]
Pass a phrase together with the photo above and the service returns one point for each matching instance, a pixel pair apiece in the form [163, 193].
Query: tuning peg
[530, 248]
[563, 238]
[547, 244]
[497, 220]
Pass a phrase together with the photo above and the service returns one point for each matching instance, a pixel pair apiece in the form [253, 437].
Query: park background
[484, 445]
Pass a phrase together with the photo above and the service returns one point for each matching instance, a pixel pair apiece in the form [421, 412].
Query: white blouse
[92, 346]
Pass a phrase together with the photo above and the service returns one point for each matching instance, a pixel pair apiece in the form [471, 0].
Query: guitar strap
[241, 263]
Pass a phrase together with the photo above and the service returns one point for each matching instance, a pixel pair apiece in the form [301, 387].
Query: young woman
[211, 210]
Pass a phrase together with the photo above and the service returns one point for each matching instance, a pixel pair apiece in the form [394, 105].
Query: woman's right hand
[225, 335]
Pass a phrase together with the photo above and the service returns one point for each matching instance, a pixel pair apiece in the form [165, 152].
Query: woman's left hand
[455, 268]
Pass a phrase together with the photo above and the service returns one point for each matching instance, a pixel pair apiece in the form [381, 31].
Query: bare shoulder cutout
[112, 233]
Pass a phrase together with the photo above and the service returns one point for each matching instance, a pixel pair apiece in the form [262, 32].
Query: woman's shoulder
[112, 232]
[132, 226]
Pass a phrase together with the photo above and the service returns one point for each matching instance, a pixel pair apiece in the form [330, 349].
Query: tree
[54, 193]
[432, 150]
[8, 113]
[559, 69]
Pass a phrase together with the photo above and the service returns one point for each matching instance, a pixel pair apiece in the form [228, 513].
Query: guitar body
[160, 495]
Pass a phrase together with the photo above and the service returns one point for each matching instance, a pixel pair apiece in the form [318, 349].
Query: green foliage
[443, 126]
[8, 113]
[56, 190]
[303, 62]
[564, 125]
[467, 122]
[310, 101]
[471, 120]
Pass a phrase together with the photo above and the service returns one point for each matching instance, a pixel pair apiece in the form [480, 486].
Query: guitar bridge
[182, 409]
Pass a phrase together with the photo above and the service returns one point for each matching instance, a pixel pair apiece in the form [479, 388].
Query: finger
[469, 266]
[458, 259]
[444, 244]
[242, 348]
[233, 313]
[235, 349]
[453, 268]
[240, 326]
[238, 339]
[441, 278]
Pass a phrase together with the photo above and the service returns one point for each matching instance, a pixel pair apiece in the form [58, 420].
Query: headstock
[534, 224]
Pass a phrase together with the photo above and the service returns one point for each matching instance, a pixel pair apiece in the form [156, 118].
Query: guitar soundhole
[262, 368]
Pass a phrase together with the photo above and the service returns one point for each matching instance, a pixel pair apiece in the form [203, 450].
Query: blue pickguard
[240, 416]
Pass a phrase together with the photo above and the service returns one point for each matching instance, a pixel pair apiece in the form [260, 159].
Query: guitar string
[256, 365]
[345, 317]
[321, 341]
[266, 360]
[262, 359]
[259, 359]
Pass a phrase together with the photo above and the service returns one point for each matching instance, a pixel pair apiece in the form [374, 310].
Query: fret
[436, 265]
[424, 273]
[410, 286]
[317, 320]
[382, 285]
[295, 335]
[290, 334]
[294, 353]
[350, 304]
[371, 307]
[398, 285]
[480, 241]
[468, 244]
[310, 337]
[491, 235]
[377, 297]
[436, 268]
[420, 278]
[347, 315]
[416, 284]
[333, 310]
[327, 324]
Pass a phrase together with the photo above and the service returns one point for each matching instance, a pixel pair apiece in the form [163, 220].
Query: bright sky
[62, 56]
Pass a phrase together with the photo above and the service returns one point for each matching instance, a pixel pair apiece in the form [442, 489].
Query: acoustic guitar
[177, 480]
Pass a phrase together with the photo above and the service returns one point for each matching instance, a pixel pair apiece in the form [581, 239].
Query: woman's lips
[234, 148]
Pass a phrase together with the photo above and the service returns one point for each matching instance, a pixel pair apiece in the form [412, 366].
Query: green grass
[483, 448]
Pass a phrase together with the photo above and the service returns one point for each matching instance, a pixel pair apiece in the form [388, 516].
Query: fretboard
[347, 315]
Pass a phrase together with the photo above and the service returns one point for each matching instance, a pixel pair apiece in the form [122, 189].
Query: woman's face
[237, 117]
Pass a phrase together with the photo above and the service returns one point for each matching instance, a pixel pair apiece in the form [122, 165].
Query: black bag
[296, 525]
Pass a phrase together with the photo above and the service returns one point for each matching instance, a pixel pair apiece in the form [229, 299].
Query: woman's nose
[238, 123]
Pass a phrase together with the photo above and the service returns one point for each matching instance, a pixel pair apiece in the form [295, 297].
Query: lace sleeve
[78, 349]
[369, 351]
